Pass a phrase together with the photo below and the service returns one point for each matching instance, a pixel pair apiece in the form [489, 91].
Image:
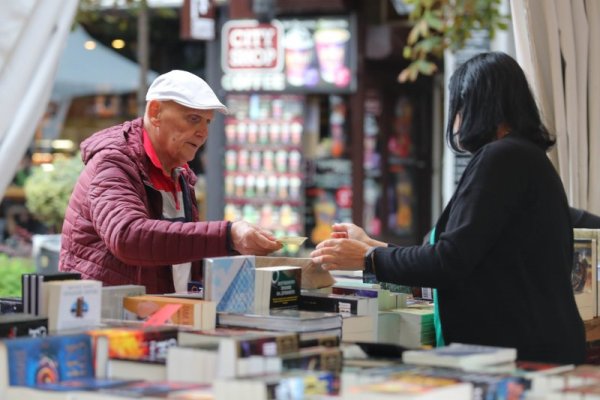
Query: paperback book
[277, 287]
[112, 299]
[338, 303]
[296, 385]
[20, 324]
[49, 359]
[195, 313]
[287, 320]
[459, 355]
[33, 294]
[229, 282]
[130, 343]
[313, 275]
[584, 279]
[73, 304]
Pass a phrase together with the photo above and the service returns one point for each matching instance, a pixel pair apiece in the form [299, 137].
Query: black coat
[502, 259]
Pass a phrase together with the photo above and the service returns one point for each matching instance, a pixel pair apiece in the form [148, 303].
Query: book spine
[33, 328]
[269, 346]
[315, 359]
[329, 304]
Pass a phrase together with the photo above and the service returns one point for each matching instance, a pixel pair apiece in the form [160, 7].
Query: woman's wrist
[377, 243]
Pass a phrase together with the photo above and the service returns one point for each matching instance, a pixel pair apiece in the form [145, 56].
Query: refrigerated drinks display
[329, 176]
[263, 162]
[391, 164]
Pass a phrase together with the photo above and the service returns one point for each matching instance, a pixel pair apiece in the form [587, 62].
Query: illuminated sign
[299, 55]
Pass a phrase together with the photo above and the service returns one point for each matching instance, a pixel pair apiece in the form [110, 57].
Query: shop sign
[249, 45]
[300, 55]
[198, 20]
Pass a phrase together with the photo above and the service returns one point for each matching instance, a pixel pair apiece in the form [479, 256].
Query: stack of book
[410, 326]
[33, 294]
[191, 312]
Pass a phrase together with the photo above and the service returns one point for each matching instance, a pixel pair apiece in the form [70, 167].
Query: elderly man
[132, 217]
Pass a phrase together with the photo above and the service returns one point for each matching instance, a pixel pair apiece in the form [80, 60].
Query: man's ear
[154, 107]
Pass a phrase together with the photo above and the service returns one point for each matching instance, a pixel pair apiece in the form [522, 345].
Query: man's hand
[250, 239]
[344, 254]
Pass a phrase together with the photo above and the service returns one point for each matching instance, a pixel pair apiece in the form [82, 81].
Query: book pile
[411, 326]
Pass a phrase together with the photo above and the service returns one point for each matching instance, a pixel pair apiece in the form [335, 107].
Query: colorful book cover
[229, 281]
[50, 359]
[134, 343]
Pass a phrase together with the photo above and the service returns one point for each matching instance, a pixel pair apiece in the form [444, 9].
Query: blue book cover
[49, 359]
[229, 281]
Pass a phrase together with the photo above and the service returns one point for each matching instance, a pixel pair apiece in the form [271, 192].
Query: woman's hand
[345, 254]
[352, 231]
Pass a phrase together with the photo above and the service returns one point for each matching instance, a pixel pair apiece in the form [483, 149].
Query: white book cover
[229, 282]
[460, 355]
[74, 304]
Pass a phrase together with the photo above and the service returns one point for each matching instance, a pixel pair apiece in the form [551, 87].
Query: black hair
[486, 91]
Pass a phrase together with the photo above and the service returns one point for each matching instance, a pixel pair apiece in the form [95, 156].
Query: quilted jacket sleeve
[120, 216]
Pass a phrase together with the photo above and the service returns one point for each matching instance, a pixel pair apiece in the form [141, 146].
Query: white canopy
[102, 70]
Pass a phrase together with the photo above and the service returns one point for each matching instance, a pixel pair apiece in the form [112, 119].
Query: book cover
[413, 387]
[230, 281]
[196, 313]
[136, 343]
[73, 304]
[460, 355]
[49, 359]
[584, 273]
[313, 275]
[277, 287]
[20, 324]
[10, 305]
[386, 299]
[286, 320]
[318, 358]
[486, 385]
[296, 385]
[338, 303]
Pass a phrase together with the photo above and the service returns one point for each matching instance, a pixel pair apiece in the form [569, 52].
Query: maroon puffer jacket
[112, 230]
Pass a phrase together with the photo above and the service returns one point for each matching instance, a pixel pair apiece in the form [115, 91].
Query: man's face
[181, 132]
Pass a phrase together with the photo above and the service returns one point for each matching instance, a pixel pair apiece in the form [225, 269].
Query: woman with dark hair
[503, 250]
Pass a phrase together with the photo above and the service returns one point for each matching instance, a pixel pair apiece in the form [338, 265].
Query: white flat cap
[186, 89]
